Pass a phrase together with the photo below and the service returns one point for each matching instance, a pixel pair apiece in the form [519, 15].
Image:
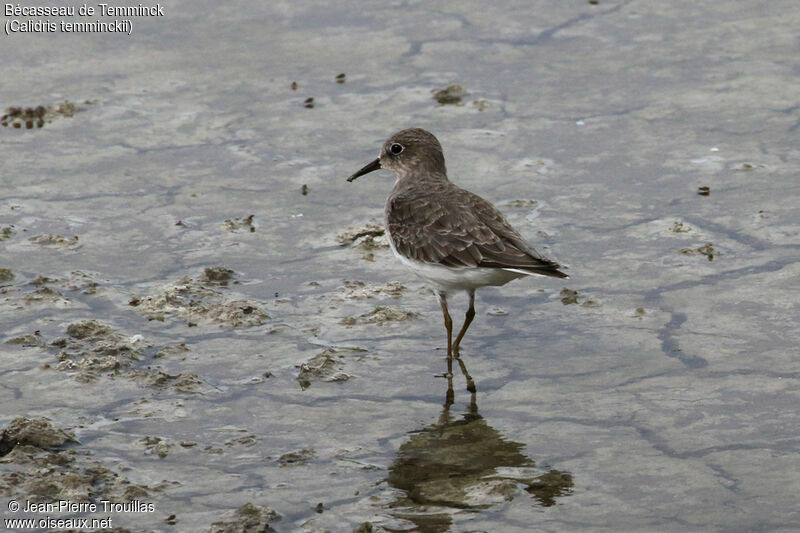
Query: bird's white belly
[447, 279]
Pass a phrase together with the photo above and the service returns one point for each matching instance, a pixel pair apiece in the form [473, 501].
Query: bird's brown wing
[459, 229]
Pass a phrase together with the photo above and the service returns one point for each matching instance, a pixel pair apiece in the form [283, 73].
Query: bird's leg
[448, 324]
[450, 395]
[470, 382]
[467, 321]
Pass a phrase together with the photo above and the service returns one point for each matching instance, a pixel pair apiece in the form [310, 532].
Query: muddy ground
[199, 313]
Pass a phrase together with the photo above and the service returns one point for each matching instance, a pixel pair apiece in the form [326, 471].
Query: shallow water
[658, 392]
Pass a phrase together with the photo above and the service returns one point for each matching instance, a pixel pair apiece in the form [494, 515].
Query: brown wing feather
[424, 227]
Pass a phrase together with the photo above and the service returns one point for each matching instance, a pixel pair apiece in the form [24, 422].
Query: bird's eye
[396, 148]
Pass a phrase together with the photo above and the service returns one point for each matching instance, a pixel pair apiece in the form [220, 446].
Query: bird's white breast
[448, 279]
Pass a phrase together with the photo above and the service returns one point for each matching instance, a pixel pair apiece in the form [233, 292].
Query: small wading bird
[451, 237]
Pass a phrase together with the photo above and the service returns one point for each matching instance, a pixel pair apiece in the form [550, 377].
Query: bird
[450, 237]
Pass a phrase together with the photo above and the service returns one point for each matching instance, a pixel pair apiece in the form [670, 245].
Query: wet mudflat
[199, 312]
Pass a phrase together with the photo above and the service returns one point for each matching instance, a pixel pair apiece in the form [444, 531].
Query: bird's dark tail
[549, 270]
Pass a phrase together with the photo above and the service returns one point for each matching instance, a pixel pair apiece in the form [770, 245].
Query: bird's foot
[471, 386]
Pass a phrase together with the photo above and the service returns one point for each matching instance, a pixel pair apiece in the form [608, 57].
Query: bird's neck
[415, 184]
[417, 175]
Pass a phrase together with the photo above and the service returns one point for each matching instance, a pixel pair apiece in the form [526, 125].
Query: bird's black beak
[375, 165]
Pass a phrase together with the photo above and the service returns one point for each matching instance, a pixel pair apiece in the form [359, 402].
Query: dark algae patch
[325, 366]
[30, 117]
[43, 463]
[204, 299]
[568, 296]
[450, 95]
[298, 457]
[37, 432]
[6, 274]
[249, 518]
[218, 275]
[93, 350]
[706, 250]
[235, 225]
[381, 316]
[6, 232]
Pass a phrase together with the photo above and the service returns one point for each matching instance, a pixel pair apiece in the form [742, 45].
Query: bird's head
[409, 152]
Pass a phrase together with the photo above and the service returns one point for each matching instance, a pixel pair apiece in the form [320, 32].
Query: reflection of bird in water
[465, 464]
